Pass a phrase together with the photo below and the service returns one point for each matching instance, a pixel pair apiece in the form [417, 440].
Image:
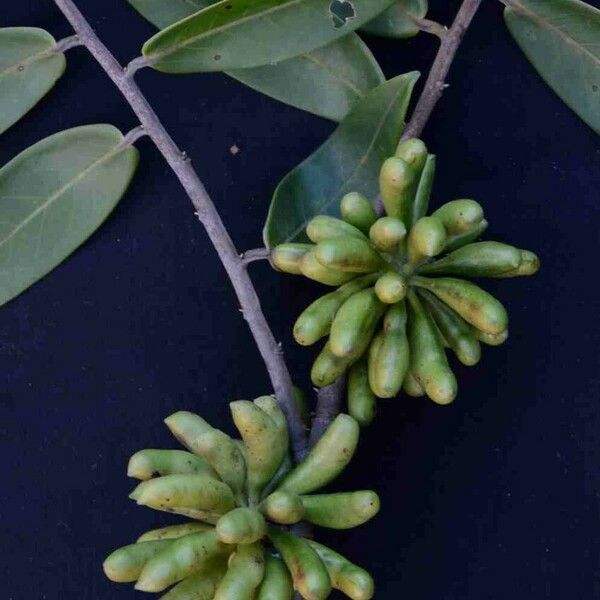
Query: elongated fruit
[277, 583]
[150, 463]
[348, 254]
[283, 507]
[125, 564]
[341, 511]
[241, 526]
[358, 211]
[244, 575]
[287, 257]
[323, 227]
[361, 399]
[459, 216]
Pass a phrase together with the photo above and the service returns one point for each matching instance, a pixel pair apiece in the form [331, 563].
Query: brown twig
[329, 406]
[207, 213]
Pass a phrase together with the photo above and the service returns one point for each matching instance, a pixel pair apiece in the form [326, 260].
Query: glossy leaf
[28, 70]
[326, 82]
[238, 34]
[349, 160]
[561, 38]
[52, 198]
[398, 21]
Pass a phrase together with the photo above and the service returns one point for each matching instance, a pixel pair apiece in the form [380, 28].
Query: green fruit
[462, 239]
[426, 239]
[361, 400]
[283, 507]
[341, 511]
[201, 585]
[241, 526]
[173, 531]
[277, 583]
[358, 211]
[459, 216]
[411, 386]
[323, 227]
[529, 264]
[150, 463]
[125, 564]
[492, 339]
[387, 233]
[244, 575]
[414, 152]
[396, 183]
[313, 269]
[423, 193]
[287, 257]
[328, 367]
[391, 287]
[348, 254]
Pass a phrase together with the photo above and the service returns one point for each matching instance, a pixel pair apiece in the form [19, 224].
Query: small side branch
[257, 254]
[133, 136]
[431, 27]
[329, 406]
[67, 43]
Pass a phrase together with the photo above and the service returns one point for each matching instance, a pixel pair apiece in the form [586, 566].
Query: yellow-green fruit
[412, 387]
[341, 511]
[125, 564]
[358, 211]
[283, 507]
[173, 531]
[201, 585]
[328, 367]
[414, 152]
[459, 216]
[241, 526]
[187, 427]
[348, 254]
[327, 459]
[181, 558]
[473, 304]
[315, 322]
[323, 227]
[372, 356]
[150, 463]
[387, 233]
[492, 339]
[361, 400]
[287, 257]
[308, 572]
[396, 183]
[426, 239]
[529, 264]
[277, 583]
[345, 576]
[423, 192]
[354, 324]
[313, 269]
[468, 237]
[244, 575]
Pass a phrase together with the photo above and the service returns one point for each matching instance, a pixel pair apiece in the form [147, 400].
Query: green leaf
[28, 70]
[398, 21]
[561, 38]
[326, 82]
[238, 34]
[349, 160]
[52, 198]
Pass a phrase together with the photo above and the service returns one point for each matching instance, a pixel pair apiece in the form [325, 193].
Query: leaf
[561, 38]
[398, 21]
[28, 70]
[238, 34]
[326, 82]
[52, 198]
[348, 161]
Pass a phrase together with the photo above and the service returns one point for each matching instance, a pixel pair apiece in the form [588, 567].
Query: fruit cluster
[400, 303]
[242, 495]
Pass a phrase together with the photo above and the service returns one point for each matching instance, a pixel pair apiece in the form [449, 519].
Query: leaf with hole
[28, 70]
[349, 160]
[238, 34]
[561, 38]
[53, 196]
[398, 21]
[326, 82]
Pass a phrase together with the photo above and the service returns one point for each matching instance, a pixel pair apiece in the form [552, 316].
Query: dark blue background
[495, 497]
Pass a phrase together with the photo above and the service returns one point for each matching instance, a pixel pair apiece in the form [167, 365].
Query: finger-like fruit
[277, 583]
[529, 264]
[187, 427]
[492, 339]
[173, 531]
[459, 216]
[358, 211]
[328, 367]
[411, 386]
[391, 287]
[180, 559]
[481, 259]
[423, 193]
[187, 491]
[201, 585]
[355, 323]
[324, 227]
[150, 463]
[241, 526]
[313, 269]
[372, 356]
[391, 358]
[473, 304]
[348, 254]
[428, 360]
[414, 152]
[361, 400]
[426, 239]
[468, 237]
[315, 322]
[308, 571]
[345, 576]
[283, 507]
[244, 575]
[327, 459]
[125, 564]
[341, 511]
[287, 257]
[387, 233]
[458, 335]
[267, 443]
[396, 183]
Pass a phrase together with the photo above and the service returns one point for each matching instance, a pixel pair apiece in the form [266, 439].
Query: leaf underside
[326, 82]
[53, 196]
[239, 34]
[28, 70]
[348, 161]
[561, 38]
[398, 21]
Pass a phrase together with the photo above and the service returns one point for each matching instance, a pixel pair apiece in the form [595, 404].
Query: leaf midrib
[58, 193]
[30, 59]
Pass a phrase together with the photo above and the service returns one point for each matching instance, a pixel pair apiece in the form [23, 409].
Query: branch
[253, 255]
[208, 215]
[329, 406]
[67, 43]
